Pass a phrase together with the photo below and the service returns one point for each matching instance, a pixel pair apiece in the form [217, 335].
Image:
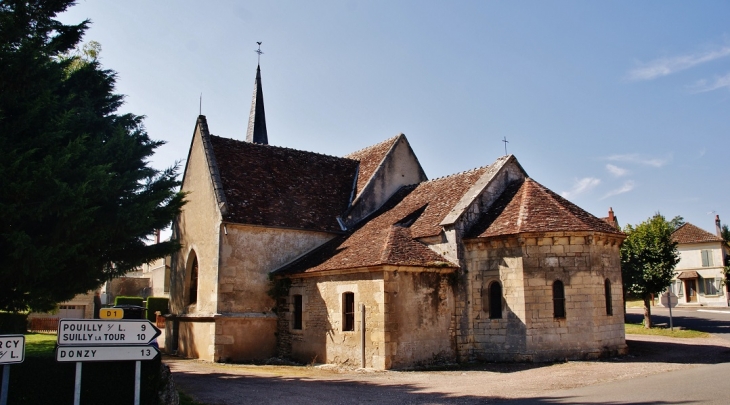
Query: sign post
[81, 340]
[12, 351]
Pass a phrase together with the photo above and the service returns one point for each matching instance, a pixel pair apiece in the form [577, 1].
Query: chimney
[157, 236]
[610, 215]
[718, 228]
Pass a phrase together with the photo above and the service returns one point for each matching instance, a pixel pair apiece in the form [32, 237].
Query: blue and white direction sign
[98, 332]
[12, 349]
[105, 353]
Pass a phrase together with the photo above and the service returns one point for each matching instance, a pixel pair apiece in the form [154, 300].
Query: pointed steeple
[256, 132]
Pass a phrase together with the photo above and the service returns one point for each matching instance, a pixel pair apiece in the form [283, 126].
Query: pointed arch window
[558, 300]
[193, 291]
[609, 304]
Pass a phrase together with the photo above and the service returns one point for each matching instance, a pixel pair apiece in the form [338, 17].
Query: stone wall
[198, 229]
[248, 255]
[408, 318]
[527, 267]
[321, 339]
[419, 306]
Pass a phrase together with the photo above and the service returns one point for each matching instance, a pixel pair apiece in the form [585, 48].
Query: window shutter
[702, 284]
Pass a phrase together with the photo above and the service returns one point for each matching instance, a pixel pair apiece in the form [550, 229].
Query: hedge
[123, 300]
[156, 304]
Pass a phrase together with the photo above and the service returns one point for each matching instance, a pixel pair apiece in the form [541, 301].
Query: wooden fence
[43, 325]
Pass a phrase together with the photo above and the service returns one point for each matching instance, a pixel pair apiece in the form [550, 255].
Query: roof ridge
[266, 145]
[391, 139]
[457, 174]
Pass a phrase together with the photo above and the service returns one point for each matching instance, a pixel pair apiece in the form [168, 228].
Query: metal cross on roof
[505, 145]
[258, 51]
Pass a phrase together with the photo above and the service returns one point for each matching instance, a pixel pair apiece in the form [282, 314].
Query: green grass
[637, 329]
[40, 344]
[634, 303]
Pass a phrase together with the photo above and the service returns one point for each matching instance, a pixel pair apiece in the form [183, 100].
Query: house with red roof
[699, 279]
[362, 260]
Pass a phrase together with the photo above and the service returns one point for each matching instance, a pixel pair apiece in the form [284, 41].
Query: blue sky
[617, 104]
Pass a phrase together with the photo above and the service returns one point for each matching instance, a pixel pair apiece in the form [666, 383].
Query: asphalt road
[705, 319]
[699, 385]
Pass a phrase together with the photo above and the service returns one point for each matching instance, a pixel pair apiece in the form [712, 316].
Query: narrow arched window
[297, 321]
[609, 305]
[193, 292]
[558, 299]
[348, 311]
[495, 300]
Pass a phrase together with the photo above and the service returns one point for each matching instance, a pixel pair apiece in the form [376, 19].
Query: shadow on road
[237, 389]
[689, 322]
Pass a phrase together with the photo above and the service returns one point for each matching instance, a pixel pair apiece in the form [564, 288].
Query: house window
[680, 287]
[193, 293]
[348, 311]
[709, 286]
[558, 299]
[297, 321]
[707, 258]
[495, 300]
[609, 305]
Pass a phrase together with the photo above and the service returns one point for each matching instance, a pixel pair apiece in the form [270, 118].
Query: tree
[648, 258]
[78, 200]
[676, 222]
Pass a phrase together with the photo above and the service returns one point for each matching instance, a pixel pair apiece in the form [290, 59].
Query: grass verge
[638, 329]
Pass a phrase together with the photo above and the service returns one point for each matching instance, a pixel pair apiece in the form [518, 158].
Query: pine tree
[78, 199]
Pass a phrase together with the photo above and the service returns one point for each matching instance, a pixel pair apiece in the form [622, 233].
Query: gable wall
[197, 228]
[399, 168]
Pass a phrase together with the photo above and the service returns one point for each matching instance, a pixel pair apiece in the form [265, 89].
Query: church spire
[256, 132]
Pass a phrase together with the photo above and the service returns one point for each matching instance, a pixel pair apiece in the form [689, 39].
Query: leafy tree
[78, 200]
[648, 258]
[676, 222]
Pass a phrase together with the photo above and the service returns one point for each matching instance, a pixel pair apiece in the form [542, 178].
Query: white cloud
[628, 186]
[719, 83]
[636, 158]
[581, 186]
[616, 171]
[666, 66]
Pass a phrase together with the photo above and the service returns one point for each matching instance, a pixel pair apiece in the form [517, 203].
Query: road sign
[98, 332]
[111, 313]
[12, 349]
[105, 353]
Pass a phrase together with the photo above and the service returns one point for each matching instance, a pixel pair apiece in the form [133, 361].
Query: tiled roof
[531, 207]
[369, 159]
[689, 233]
[273, 186]
[390, 235]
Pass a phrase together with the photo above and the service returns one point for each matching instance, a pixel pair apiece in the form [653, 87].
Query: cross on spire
[505, 145]
[258, 51]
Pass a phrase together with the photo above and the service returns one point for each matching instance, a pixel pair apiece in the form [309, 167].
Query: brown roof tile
[689, 233]
[370, 159]
[273, 186]
[390, 235]
[531, 207]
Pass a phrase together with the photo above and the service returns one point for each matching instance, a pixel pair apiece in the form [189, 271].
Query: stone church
[361, 260]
